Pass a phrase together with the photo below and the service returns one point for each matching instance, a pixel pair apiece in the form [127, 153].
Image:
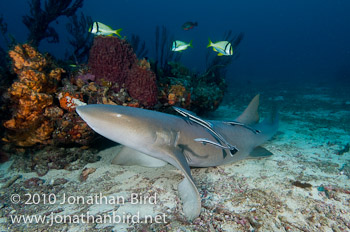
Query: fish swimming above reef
[189, 25]
[224, 48]
[179, 46]
[98, 28]
[152, 138]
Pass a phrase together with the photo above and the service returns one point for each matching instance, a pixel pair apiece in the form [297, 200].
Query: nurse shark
[152, 139]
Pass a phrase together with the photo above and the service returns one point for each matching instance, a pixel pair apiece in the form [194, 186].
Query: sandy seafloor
[252, 195]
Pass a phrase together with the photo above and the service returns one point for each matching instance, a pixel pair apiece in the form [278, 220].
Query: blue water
[285, 40]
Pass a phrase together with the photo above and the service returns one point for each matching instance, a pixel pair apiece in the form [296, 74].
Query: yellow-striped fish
[224, 48]
[179, 46]
[98, 28]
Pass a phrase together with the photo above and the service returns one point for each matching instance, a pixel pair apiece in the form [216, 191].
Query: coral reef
[31, 95]
[179, 94]
[198, 93]
[39, 19]
[113, 60]
[207, 96]
[113, 75]
[86, 77]
[71, 129]
[141, 85]
[105, 93]
[70, 101]
[37, 118]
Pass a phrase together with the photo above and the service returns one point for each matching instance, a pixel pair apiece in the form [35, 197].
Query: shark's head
[121, 124]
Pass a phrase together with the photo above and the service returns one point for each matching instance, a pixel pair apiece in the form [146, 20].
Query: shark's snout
[102, 119]
[84, 110]
[80, 110]
[94, 111]
[96, 116]
[121, 124]
[88, 113]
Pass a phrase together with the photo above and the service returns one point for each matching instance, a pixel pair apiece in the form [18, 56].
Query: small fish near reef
[189, 25]
[179, 46]
[153, 139]
[98, 28]
[224, 48]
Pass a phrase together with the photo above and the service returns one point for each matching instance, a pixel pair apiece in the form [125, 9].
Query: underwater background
[283, 40]
[295, 54]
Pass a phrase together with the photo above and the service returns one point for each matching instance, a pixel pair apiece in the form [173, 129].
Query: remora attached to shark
[153, 139]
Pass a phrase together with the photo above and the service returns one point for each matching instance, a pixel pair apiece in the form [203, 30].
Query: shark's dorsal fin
[250, 115]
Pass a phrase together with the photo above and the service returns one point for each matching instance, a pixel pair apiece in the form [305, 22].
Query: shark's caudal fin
[250, 115]
[268, 127]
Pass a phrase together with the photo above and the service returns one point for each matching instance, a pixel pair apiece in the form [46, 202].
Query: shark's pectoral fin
[189, 194]
[260, 152]
[128, 156]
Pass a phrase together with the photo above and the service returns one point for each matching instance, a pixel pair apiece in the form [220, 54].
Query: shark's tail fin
[269, 126]
[267, 129]
[274, 118]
